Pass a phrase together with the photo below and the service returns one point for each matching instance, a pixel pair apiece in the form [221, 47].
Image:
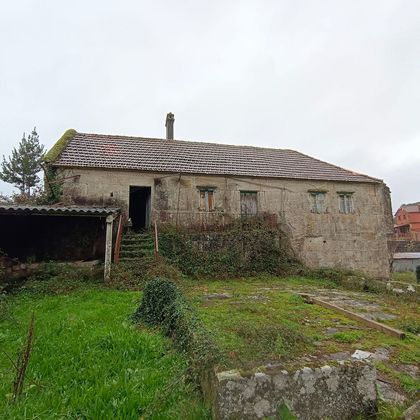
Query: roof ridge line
[188, 141]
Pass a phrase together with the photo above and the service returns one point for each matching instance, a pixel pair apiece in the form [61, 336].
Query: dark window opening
[140, 207]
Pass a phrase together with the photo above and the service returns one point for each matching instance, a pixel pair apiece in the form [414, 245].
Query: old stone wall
[343, 392]
[357, 240]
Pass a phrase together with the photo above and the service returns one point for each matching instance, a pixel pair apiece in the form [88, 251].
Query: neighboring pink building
[407, 222]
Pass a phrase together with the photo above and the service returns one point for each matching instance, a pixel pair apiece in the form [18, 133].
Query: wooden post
[108, 248]
[118, 241]
[156, 243]
[372, 324]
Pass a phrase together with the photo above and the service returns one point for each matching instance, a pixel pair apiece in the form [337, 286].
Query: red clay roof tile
[179, 156]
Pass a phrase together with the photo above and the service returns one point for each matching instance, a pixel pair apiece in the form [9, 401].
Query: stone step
[132, 239]
[135, 254]
[138, 235]
[128, 260]
[134, 245]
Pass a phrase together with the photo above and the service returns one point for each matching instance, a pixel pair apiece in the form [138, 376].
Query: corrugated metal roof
[407, 256]
[179, 156]
[58, 210]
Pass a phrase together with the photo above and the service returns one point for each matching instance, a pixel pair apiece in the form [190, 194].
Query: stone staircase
[135, 246]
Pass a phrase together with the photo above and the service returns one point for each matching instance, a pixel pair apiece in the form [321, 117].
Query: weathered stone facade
[357, 240]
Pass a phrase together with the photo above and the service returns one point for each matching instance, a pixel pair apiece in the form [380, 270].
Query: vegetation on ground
[404, 277]
[135, 275]
[256, 321]
[89, 361]
[245, 247]
[163, 305]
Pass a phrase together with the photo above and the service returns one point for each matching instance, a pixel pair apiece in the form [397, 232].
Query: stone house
[334, 217]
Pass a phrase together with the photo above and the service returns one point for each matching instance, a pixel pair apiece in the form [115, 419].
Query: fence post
[156, 242]
[108, 248]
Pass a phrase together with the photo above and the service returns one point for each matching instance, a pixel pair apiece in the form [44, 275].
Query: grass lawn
[89, 362]
[404, 276]
[263, 320]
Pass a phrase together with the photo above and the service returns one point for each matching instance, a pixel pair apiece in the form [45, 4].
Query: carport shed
[406, 261]
[58, 233]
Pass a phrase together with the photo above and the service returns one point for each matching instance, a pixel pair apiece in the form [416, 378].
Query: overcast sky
[338, 80]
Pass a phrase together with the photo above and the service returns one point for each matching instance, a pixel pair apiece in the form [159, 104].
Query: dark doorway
[139, 207]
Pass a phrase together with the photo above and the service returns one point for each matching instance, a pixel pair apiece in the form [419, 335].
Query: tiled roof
[411, 208]
[57, 210]
[189, 157]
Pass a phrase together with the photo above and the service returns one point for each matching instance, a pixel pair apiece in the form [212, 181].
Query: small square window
[345, 203]
[206, 199]
[318, 202]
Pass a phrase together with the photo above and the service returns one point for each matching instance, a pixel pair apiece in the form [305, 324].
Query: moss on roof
[54, 153]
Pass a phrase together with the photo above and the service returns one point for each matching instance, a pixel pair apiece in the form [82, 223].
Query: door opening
[139, 207]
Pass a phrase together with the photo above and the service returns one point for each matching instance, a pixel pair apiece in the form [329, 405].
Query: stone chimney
[170, 119]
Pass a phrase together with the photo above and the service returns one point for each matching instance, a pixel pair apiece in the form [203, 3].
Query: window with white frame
[206, 198]
[345, 203]
[318, 201]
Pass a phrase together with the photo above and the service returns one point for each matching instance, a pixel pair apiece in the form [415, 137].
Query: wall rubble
[342, 392]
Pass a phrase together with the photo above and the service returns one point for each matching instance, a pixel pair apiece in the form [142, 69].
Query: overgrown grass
[263, 320]
[89, 361]
[404, 276]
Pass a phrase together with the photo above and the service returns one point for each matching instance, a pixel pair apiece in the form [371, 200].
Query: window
[249, 203]
[206, 199]
[346, 202]
[318, 201]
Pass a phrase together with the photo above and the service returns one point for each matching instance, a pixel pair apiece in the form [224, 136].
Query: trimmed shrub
[418, 273]
[163, 305]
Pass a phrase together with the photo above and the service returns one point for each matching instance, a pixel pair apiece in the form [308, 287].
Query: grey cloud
[336, 80]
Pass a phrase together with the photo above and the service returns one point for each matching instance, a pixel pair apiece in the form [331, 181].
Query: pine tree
[22, 167]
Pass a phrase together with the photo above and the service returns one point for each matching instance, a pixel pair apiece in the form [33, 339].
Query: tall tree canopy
[23, 165]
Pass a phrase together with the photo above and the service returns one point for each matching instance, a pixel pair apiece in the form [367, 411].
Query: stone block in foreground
[341, 392]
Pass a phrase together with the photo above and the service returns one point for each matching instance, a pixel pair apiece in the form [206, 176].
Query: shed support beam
[108, 248]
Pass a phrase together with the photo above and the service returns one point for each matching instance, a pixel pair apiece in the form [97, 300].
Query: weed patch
[244, 248]
[56, 278]
[348, 336]
[134, 275]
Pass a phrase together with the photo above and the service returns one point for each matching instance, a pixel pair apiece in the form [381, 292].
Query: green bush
[129, 275]
[56, 278]
[158, 295]
[335, 275]
[239, 250]
[418, 273]
[134, 275]
[163, 305]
